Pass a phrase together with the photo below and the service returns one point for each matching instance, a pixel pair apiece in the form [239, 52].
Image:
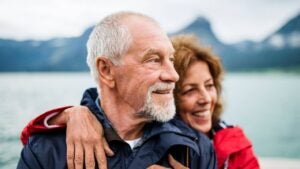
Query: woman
[198, 102]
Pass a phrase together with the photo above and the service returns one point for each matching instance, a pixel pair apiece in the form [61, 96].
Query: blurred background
[42, 63]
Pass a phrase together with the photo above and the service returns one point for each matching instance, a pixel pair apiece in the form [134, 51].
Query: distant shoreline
[279, 163]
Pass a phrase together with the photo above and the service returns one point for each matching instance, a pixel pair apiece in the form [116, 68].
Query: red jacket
[37, 124]
[231, 145]
[234, 149]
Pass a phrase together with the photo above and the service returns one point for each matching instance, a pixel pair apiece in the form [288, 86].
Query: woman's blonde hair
[189, 50]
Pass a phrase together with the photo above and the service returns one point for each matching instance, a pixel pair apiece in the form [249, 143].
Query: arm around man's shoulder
[45, 150]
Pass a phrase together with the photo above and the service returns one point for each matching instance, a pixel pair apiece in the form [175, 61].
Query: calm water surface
[266, 105]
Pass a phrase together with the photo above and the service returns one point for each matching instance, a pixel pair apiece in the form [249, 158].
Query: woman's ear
[104, 68]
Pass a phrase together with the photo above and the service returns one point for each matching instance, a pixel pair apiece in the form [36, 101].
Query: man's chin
[163, 114]
[159, 107]
[158, 113]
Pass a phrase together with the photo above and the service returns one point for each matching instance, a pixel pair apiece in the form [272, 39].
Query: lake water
[266, 105]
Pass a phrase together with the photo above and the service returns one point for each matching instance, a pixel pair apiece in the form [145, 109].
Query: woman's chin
[204, 128]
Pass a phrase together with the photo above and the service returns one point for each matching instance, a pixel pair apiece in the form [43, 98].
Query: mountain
[281, 49]
[202, 28]
[59, 54]
[288, 36]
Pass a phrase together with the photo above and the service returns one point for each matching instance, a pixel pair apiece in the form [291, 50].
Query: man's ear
[104, 68]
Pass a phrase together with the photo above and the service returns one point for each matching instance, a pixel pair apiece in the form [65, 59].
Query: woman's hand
[84, 137]
[174, 164]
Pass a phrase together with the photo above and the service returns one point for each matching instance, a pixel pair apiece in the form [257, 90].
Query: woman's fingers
[155, 166]
[100, 156]
[85, 140]
[70, 155]
[89, 158]
[107, 149]
[79, 156]
[175, 164]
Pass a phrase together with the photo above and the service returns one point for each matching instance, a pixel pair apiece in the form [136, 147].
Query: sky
[231, 20]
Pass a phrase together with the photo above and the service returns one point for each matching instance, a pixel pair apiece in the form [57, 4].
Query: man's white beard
[160, 112]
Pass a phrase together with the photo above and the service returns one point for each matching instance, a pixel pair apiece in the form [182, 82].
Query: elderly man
[130, 58]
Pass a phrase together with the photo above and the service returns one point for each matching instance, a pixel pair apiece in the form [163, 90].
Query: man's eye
[154, 60]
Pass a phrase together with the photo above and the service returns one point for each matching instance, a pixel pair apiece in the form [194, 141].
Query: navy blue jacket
[191, 148]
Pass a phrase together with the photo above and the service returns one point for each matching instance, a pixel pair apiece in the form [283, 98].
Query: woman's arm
[85, 140]
[39, 124]
[234, 149]
[84, 135]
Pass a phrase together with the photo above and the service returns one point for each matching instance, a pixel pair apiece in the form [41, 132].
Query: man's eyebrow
[151, 51]
[154, 51]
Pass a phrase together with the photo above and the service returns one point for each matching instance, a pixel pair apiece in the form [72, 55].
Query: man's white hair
[110, 39]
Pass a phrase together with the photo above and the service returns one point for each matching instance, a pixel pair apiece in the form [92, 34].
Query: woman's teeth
[201, 114]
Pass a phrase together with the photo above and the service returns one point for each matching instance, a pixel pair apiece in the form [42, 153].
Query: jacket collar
[91, 100]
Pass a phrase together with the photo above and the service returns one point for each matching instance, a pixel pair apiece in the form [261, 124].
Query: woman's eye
[188, 91]
[210, 86]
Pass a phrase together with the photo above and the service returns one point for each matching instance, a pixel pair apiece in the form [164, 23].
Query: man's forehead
[148, 36]
[142, 27]
[155, 43]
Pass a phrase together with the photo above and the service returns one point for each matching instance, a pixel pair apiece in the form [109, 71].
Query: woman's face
[197, 97]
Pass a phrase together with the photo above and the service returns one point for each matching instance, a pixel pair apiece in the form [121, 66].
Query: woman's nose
[204, 97]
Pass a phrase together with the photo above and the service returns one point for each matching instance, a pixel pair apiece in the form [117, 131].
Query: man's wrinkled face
[145, 80]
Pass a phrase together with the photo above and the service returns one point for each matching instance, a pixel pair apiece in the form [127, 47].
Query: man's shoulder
[48, 144]
[51, 137]
[45, 150]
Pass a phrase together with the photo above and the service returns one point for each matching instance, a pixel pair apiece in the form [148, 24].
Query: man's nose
[169, 73]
